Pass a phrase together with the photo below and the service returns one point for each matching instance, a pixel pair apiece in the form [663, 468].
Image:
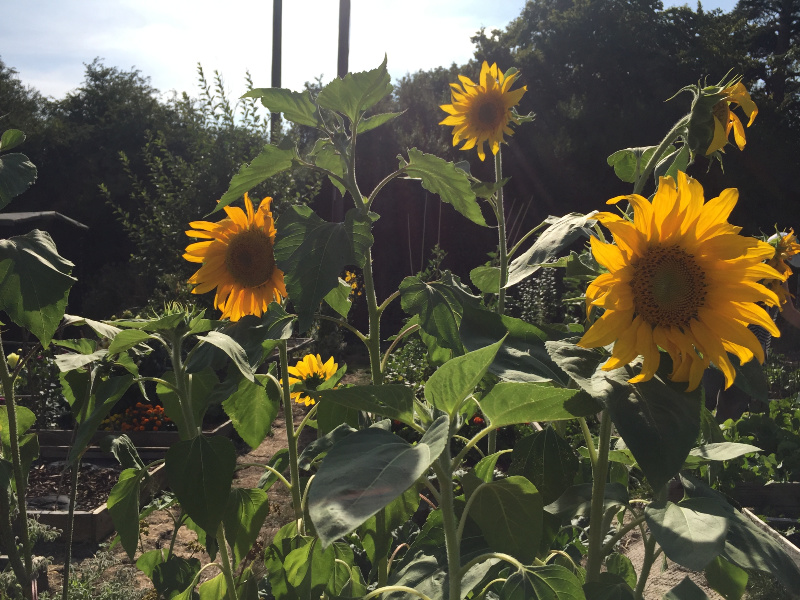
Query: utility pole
[337, 202]
[277, 34]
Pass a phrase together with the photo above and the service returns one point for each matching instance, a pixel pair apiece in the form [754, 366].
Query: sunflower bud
[13, 359]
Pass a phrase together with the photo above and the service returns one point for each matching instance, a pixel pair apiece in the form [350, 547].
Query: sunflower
[786, 247]
[238, 260]
[725, 119]
[482, 113]
[312, 372]
[680, 278]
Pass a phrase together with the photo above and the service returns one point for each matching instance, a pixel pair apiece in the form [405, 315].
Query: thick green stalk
[184, 396]
[291, 438]
[446, 502]
[225, 565]
[662, 147]
[19, 477]
[649, 559]
[599, 474]
[373, 342]
[383, 561]
[73, 492]
[502, 245]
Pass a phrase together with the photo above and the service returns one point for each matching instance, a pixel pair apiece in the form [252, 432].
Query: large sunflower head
[786, 247]
[482, 112]
[238, 260]
[312, 372]
[681, 278]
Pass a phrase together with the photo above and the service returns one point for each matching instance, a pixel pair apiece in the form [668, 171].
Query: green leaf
[509, 403]
[608, 587]
[123, 506]
[455, 380]
[147, 562]
[427, 576]
[549, 582]
[213, 589]
[523, 356]
[34, 283]
[72, 362]
[296, 107]
[244, 515]
[562, 232]
[105, 395]
[327, 157]
[630, 162]
[17, 174]
[439, 307]
[577, 500]
[123, 450]
[547, 460]
[330, 415]
[509, 514]
[271, 161]
[379, 543]
[232, 348]
[312, 252]
[356, 92]
[339, 298]
[174, 575]
[126, 339]
[200, 472]
[486, 279]
[726, 578]
[202, 385]
[484, 470]
[280, 462]
[621, 565]
[99, 327]
[11, 138]
[374, 121]
[25, 420]
[751, 379]
[366, 471]
[674, 162]
[394, 401]
[446, 180]
[685, 590]
[715, 452]
[658, 420]
[251, 411]
[692, 532]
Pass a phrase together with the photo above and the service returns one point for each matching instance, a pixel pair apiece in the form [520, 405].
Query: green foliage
[101, 577]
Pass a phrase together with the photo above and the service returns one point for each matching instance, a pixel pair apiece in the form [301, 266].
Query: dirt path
[157, 528]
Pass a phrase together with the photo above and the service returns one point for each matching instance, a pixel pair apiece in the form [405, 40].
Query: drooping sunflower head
[238, 260]
[786, 247]
[312, 372]
[725, 119]
[680, 278]
[482, 112]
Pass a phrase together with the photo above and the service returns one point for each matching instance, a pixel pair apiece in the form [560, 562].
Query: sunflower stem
[291, 437]
[373, 341]
[503, 257]
[225, 565]
[599, 474]
[442, 469]
[662, 147]
[182, 385]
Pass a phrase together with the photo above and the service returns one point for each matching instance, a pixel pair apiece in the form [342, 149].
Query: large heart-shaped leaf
[252, 410]
[549, 582]
[364, 473]
[437, 307]
[691, 532]
[200, 472]
[445, 179]
[561, 233]
[244, 515]
[509, 403]
[17, 173]
[456, 379]
[34, 283]
[123, 506]
[312, 252]
[394, 401]
[296, 107]
[577, 500]
[356, 92]
[509, 514]
[547, 460]
[269, 162]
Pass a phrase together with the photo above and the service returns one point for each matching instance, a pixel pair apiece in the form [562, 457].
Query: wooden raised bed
[151, 445]
[778, 499]
[96, 525]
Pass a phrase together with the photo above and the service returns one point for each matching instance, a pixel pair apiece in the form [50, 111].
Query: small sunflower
[238, 260]
[312, 372]
[786, 247]
[482, 113]
[725, 119]
[680, 277]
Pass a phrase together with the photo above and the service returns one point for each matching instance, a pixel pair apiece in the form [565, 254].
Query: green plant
[101, 577]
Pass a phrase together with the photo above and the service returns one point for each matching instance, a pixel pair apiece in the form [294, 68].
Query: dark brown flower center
[490, 113]
[249, 258]
[668, 287]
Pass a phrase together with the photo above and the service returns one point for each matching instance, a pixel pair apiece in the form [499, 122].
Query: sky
[48, 42]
